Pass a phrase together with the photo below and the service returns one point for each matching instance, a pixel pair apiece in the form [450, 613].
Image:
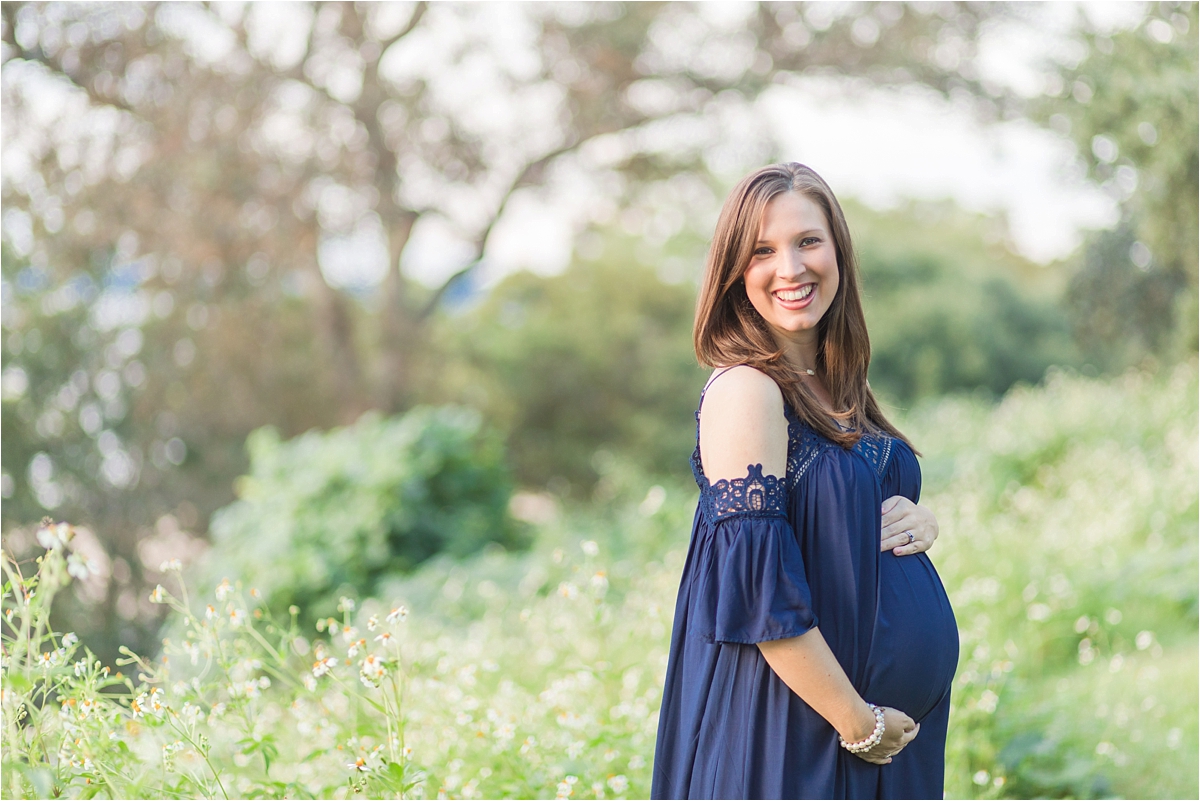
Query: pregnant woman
[813, 645]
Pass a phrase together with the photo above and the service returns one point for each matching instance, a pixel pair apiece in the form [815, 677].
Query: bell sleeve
[751, 585]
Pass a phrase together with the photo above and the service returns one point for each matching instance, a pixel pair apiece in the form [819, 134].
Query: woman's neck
[800, 350]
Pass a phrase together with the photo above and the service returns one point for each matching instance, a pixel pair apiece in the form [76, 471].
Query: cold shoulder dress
[771, 558]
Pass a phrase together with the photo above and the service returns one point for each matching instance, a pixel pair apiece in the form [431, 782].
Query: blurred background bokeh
[323, 295]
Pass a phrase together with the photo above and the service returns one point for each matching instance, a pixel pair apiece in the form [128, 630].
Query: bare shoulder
[741, 390]
[742, 424]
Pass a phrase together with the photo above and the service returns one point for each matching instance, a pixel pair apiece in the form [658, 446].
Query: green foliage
[331, 513]
[76, 728]
[948, 311]
[1118, 312]
[1133, 109]
[596, 358]
[1068, 547]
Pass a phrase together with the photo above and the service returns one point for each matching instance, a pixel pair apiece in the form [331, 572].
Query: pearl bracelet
[870, 742]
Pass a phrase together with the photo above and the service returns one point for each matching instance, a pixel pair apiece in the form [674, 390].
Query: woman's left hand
[908, 528]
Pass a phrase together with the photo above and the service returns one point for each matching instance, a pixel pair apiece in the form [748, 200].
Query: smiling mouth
[795, 294]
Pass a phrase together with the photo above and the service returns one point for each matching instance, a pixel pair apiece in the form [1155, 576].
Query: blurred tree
[180, 180]
[581, 367]
[950, 307]
[1131, 107]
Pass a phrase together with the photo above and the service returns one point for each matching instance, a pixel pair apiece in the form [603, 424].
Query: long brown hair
[730, 331]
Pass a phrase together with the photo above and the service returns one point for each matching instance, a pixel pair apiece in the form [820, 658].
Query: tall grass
[1069, 548]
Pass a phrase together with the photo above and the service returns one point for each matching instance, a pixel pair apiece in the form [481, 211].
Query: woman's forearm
[809, 668]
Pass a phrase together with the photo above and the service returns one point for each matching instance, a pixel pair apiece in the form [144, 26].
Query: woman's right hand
[898, 731]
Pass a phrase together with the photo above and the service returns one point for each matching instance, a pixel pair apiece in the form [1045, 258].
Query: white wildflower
[78, 566]
[55, 535]
[373, 670]
[156, 702]
[158, 595]
[600, 582]
[69, 639]
[566, 788]
[169, 565]
[224, 590]
[618, 784]
[372, 623]
[323, 666]
[397, 614]
[86, 707]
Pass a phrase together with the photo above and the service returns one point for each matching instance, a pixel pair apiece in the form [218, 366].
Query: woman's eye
[809, 240]
[762, 252]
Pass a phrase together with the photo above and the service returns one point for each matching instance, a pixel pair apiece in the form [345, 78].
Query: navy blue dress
[771, 558]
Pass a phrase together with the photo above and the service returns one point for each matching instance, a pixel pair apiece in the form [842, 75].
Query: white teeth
[796, 294]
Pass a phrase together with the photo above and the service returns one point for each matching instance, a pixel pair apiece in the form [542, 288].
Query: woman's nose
[791, 265]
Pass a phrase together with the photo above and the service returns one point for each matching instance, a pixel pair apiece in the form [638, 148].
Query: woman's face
[793, 274]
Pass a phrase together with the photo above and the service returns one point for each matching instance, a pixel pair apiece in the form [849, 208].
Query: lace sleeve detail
[755, 495]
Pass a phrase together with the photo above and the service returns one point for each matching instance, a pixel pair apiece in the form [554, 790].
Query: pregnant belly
[915, 648]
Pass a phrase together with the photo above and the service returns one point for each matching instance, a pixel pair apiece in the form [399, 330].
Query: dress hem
[712, 639]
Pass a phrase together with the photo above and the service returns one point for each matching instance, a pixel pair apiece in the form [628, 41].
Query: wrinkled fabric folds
[750, 582]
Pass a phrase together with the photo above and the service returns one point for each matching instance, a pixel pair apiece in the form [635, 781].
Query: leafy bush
[332, 513]
[599, 357]
[949, 312]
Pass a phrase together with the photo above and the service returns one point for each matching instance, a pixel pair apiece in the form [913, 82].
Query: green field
[1069, 549]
